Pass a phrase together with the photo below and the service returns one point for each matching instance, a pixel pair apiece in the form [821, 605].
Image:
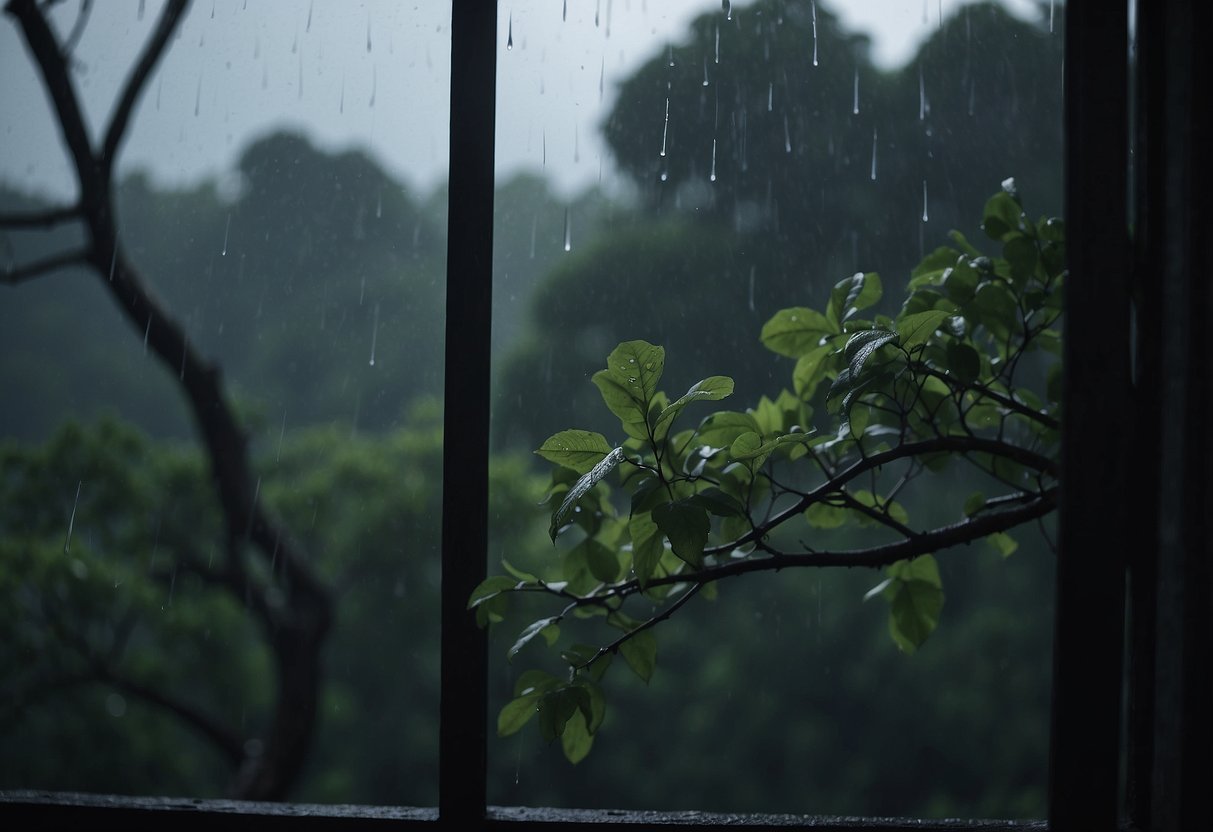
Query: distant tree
[261, 564]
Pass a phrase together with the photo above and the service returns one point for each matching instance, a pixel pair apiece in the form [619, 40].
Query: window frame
[1114, 320]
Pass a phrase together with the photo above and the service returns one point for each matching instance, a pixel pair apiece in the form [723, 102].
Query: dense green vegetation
[787, 694]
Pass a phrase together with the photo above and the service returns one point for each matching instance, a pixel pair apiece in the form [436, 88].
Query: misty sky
[372, 75]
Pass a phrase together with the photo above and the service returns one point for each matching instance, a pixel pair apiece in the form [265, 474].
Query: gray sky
[371, 75]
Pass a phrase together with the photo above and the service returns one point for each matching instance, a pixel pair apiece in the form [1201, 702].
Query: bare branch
[41, 219]
[75, 257]
[86, 6]
[652, 622]
[152, 52]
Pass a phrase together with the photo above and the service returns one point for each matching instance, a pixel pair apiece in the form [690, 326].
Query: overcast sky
[372, 75]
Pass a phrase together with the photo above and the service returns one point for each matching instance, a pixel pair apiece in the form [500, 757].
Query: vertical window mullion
[462, 735]
[1088, 646]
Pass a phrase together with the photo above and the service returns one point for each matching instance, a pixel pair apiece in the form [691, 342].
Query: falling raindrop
[198, 96]
[752, 268]
[601, 78]
[295, 42]
[341, 101]
[922, 95]
[310, 6]
[139, 13]
[509, 38]
[374, 85]
[146, 332]
[924, 200]
[256, 47]
[705, 70]
[727, 8]
[71, 522]
[717, 43]
[1052, 4]
[813, 8]
[544, 161]
[185, 346]
[265, 76]
[368, 31]
[787, 136]
[564, 14]
[712, 175]
[873, 154]
[597, 10]
[378, 204]
[281, 434]
[855, 96]
[939, 12]
[300, 78]
[670, 55]
[227, 229]
[113, 262]
[770, 96]
[568, 239]
[375, 332]
[666, 128]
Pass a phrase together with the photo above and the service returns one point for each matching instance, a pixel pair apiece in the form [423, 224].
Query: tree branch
[86, 6]
[29, 271]
[41, 219]
[137, 79]
[652, 622]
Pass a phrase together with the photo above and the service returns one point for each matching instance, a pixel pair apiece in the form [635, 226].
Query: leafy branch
[874, 404]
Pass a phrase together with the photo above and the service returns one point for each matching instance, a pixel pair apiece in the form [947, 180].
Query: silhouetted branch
[152, 52]
[41, 219]
[86, 6]
[40, 267]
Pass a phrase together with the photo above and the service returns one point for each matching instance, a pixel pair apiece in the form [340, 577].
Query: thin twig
[47, 218]
[29, 271]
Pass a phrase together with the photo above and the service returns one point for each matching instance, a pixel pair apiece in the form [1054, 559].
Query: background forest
[318, 287]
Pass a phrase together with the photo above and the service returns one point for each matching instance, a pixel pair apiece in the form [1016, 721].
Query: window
[1168, 724]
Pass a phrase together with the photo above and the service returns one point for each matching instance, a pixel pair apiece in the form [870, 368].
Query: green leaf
[810, 370]
[1021, 254]
[915, 596]
[579, 489]
[719, 503]
[825, 516]
[687, 527]
[638, 365]
[580, 450]
[647, 547]
[620, 400]
[712, 388]
[863, 345]
[517, 713]
[556, 708]
[852, 294]
[1001, 216]
[600, 560]
[490, 588]
[1004, 543]
[640, 652]
[974, 503]
[932, 267]
[795, 331]
[721, 429]
[918, 328]
[535, 681]
[964, 364]
[575, 739]
[533, 629]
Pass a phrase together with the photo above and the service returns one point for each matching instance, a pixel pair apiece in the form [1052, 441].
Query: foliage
[966, 370]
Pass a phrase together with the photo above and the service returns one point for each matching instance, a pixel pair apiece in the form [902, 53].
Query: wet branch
[40, 267]
[41, 219]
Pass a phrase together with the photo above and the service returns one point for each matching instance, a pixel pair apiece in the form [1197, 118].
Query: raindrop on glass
[71, 521]
[813, 8]
[666, 127]
[873, 154]
[374, 334]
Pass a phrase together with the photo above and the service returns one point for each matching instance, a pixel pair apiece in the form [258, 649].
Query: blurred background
[672, 171]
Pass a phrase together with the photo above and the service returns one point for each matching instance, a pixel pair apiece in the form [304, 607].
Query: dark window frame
[1137, 307]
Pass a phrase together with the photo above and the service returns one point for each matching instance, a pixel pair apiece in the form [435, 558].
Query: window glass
[678, 173]
[281, 191]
